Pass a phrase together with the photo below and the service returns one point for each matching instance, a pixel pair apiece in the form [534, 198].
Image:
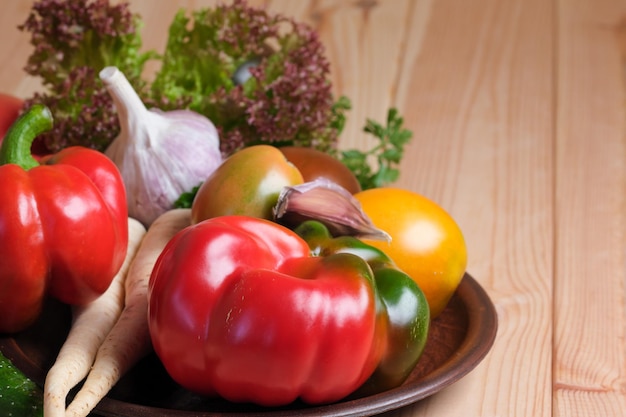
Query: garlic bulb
[159, 154]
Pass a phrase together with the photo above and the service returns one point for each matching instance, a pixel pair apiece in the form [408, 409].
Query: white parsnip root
[90, 325]
[129, 339]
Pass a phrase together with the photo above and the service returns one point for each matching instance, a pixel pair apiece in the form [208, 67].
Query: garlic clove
[325, 201]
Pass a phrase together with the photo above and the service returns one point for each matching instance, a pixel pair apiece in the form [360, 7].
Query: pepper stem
[18, 140]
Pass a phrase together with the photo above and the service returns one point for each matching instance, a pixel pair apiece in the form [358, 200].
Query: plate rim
[482, 327]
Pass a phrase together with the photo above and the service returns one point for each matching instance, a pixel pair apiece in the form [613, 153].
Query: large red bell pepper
[63, 223]
[241, 307]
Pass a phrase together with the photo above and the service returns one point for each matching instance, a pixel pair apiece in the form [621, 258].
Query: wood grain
[482, 112]
[589, 310]
[517, 110]
[14, 51]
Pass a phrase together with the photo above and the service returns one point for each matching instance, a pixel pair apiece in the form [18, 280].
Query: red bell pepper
[240, 307]
[63, 223]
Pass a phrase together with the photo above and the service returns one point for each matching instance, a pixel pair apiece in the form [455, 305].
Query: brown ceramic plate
[459, 339]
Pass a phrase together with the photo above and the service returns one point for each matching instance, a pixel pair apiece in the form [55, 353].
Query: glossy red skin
[9, 110]
[64, 232]
[238, 308]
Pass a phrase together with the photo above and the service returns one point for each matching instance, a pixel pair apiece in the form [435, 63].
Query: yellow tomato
[426, 242]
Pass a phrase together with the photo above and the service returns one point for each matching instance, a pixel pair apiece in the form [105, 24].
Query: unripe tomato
[246, 183]
[313, 164]
[426, 242]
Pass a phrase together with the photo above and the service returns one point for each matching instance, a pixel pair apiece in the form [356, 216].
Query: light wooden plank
[476, 87]
[590, 316]
[364, 43]
[481, 106]
[14, 50]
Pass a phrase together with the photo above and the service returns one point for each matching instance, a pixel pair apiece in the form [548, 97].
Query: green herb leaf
[378, 166]
[186, 199]
[339, 109]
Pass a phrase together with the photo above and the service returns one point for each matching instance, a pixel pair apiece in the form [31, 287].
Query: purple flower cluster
[94, 124]
[73, 40]
[68, 33]
[288, 98]
[296, 105]
[286, 101]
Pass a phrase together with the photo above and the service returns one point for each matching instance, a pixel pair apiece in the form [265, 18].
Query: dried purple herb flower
[286, 100]
[73, 40]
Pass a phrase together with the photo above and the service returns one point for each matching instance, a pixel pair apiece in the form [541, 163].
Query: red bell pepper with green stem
[63, 223]
[240, 307]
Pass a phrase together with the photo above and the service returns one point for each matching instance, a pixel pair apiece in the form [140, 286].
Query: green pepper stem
[18, 140]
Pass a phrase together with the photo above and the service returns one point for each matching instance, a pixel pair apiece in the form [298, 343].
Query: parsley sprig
[386, 153]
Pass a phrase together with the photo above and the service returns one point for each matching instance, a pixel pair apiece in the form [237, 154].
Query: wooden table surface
[517, 110]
